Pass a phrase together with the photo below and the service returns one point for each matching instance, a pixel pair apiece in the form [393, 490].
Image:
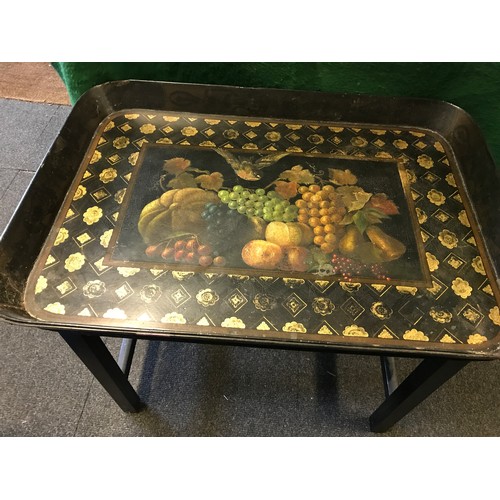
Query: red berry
[154, 250]
[191, 245]
[180, 245]
[204, 250]
[167, 253]
[190, 257]
[205, 260]
[220, 261]
[179, 255]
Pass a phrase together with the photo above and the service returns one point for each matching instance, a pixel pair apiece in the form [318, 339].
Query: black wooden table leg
[428, 376]
[96, 356]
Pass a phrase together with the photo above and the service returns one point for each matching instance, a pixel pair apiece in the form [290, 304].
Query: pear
[391, 248]
[350, 242]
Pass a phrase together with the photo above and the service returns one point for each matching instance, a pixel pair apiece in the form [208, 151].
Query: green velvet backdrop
[475, 87]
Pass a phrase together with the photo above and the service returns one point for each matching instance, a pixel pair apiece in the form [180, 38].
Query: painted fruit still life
[280, 213]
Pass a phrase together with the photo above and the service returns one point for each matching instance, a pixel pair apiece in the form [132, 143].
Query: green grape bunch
[257, 203]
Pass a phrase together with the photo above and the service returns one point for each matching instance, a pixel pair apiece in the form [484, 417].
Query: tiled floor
[202, 390]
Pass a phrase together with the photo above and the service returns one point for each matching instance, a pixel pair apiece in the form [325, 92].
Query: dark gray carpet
[203, 390]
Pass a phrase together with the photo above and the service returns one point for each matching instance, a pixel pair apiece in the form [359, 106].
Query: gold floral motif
[461, 288]
[494, 315]
[354, 331]
[105, 237]
[164, 140]
[189, 131]
[174, 317]
[132, 159]
[410, 174]
[349, 287]
[127, 271]
[80, 192]
[95, 157]
[230, 133]
[108, 175]
[432, 262]
[109, 126]
[41, 284]
[440, 315]
[170, 119]
[62, 236]
[383, 154]
[400, 144]
[233, 322]
[250, 145]
[93, 289]
[294, 149]
[147, 128]
[182, 275]
[252, 124]
[207, 297]
[293, 326]
[436, 197]
[414, 334]
[446, 339]
[150, 293]
[323, 306]
[291, 282]
[407, 289]
[476, 338]
[380, 310]
[438, 147]
[264, 302]
[132, 116]
[115, 313]
[293, 126]
[450, 179]
[359, 142]
[121, 142]
[462, 217]
[478, 265]
[448, 239]
[92, 215]
[376, 131]
[74, 262]
[55, 308]
[421, 215]
[425, 161]
[471, 315]
[273, 136]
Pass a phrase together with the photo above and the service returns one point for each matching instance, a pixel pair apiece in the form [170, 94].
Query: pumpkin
[175, 211]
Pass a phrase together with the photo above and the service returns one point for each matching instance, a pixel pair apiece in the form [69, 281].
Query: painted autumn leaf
[286, 190]
[342, 177]
[211, 181]
[353, 197]
[183, 180]
[381, 202]
[298, 174]
[176, 166]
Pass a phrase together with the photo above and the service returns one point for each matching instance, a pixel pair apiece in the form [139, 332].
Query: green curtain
[475, 87]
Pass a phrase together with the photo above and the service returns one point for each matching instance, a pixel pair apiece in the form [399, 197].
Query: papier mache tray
[194, 211]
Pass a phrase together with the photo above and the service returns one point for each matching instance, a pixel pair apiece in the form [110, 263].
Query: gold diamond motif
[294, 304]
[100, 194]
[113, 159]
[167, 129]
[66, 287]
[125, 127]
[250, 134]
[379, 143]
[123, 292]
[180, 296]
[352, 308]
[454, 261]
[236, 300]
[441, 216]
